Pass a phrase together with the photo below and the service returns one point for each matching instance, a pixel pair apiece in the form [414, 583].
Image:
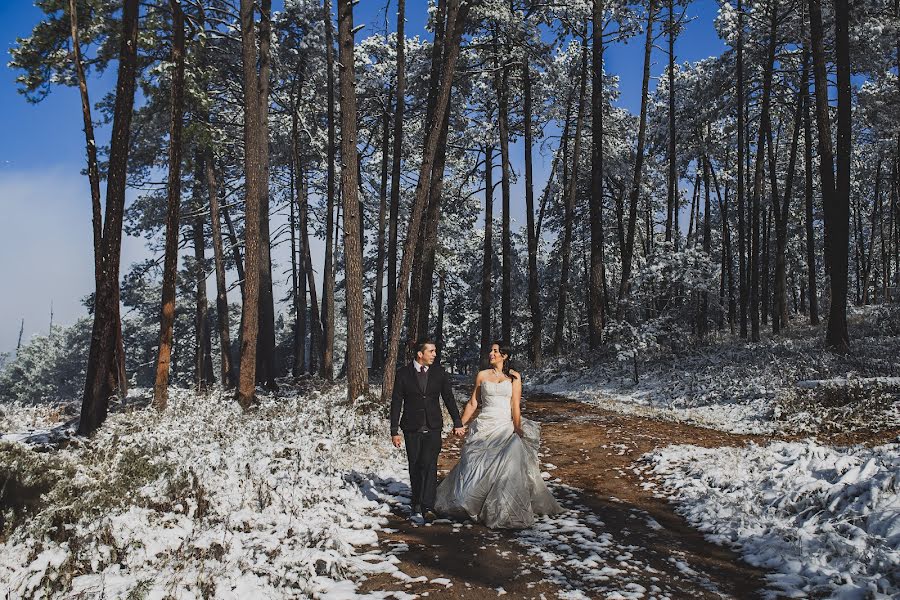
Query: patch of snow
[824, 520]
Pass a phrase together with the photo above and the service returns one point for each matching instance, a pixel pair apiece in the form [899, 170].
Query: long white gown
[497, 481]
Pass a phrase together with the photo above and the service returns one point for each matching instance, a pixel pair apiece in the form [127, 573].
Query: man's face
[426, 355]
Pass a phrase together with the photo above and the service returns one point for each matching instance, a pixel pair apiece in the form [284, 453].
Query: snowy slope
[824, 520]
[204, 499]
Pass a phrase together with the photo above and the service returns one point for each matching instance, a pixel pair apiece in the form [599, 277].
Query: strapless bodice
[495, 397]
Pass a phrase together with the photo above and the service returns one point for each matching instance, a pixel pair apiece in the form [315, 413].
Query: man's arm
[450, 402]
[396, 405]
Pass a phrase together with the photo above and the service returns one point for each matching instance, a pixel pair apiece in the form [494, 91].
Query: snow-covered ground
[203, 500]
[824, 521]
[782, 384]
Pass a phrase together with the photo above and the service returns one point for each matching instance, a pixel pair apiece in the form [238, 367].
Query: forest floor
[618, 538]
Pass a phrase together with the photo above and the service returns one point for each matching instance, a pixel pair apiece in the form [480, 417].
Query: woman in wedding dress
[497, 481]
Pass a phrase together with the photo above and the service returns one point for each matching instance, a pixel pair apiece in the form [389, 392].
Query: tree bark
[876, 202]
[570, 191]
[672, 191]
[707, 246]
[534, 299]
[741, 178]
[764, 128]
[595, 294]
[634, 195]
[501, 77]
[488, 251]
[457, 14]
[118, 368]
[781, 210]
[378, 310]
[298, 248]
[327, 366]
[203, 367]
[170, 261]
[357, 374]
[104, 339]
[812, 286]
[227, 363]
[254, 173]
[265, 355]
[396, 164]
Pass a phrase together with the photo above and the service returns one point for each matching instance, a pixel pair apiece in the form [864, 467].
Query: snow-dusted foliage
[782, 383]
[824, 521]
[201, 500]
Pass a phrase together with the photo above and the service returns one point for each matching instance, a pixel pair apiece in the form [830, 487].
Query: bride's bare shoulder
[481, 374]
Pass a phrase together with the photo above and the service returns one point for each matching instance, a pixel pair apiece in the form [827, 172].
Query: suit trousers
[422, 450]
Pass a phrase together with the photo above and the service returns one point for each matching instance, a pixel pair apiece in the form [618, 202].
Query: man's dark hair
[419, 345]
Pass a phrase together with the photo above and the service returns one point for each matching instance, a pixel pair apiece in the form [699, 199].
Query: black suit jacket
[421, 408]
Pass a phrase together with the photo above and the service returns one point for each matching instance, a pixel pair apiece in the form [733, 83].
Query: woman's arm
[472, 404]
[516, 403]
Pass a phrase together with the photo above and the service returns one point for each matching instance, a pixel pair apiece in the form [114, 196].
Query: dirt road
[617, 539]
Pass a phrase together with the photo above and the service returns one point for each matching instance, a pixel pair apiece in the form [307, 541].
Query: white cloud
[46, 248]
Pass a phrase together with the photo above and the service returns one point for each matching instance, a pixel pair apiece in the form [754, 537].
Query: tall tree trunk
[501, 77]
[835, 200]
[118, 368]
[316, 335]
[595, 294]
[707, 246]
[439, 326]
[758, 176]
[357, 374]
[254, 173]
[635, 192]
[741, 178]
[765, 300]
[727, 287]
[672, 191]
[327, 366]
[224, 327]
[419, 311]
[812, 286]
[104, 339]
[204, 375]
[422, 291]
[456, 18]
[867, 273]
[265, 354]
[399, 107]
[534, 299]
[298, 248]
[235, 249]
[488, 251]
[170, 261]
[887, 240]
[570, 192]
[378, 309]
[781, 211]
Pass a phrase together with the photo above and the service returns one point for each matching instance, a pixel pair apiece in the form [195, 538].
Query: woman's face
[494, 355]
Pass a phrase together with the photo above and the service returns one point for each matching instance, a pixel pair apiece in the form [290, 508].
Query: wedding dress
[497, 481]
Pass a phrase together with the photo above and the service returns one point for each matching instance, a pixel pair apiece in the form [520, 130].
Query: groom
[417, 389]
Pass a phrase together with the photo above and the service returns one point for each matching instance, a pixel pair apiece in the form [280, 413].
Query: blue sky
[45, 229]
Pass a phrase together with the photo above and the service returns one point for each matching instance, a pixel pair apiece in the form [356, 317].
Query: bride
[497, 480]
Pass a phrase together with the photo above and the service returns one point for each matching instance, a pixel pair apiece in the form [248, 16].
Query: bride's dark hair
[506, 351]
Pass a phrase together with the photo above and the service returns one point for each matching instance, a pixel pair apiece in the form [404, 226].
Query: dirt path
[616, 540]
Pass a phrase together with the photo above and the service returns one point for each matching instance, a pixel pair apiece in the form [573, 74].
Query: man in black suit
[417, 391]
